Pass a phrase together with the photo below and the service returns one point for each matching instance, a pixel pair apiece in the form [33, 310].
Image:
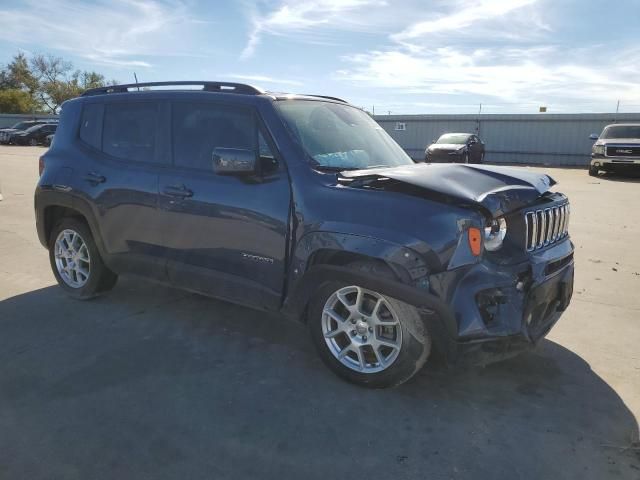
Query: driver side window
[198, 129]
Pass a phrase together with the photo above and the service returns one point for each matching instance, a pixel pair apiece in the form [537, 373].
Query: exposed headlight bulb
[494, 234]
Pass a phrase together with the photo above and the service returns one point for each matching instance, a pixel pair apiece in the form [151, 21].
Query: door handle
[95, 178]
[178, 191]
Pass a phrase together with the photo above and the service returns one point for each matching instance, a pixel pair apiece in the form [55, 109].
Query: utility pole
[373, 109]
[478, 122]
[615, 119]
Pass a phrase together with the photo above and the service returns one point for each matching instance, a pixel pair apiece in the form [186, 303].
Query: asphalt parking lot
[150, 382]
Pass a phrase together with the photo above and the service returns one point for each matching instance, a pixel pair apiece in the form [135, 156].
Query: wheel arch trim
[46, 199]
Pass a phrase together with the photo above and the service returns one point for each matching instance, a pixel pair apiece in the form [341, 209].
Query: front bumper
[444, 156]
[502, 310]
[615, 163]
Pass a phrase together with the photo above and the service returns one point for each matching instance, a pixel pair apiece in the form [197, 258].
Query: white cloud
[297, 18]
[111, 32]
[492, 51]
[464, 14]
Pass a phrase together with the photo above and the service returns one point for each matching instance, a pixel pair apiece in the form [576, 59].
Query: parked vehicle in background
[5, 133]
[617, 149]
[455, 148]
[33, 136]
[303, 205]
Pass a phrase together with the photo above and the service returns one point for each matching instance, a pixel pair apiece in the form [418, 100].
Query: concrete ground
[149, 382]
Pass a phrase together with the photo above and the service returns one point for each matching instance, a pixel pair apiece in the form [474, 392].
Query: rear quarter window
[91, 125]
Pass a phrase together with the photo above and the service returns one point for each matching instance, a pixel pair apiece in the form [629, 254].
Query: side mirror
[594, 136]
[234, 161]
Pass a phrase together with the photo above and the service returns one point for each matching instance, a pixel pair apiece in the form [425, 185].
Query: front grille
[623, 151]
[546, 226]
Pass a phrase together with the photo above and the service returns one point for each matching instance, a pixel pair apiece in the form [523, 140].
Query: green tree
[43, 82]
[18, 87]
[58, 82]
[14, 100]
[17, 75]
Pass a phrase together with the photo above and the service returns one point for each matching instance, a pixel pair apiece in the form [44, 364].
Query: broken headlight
[494, 234]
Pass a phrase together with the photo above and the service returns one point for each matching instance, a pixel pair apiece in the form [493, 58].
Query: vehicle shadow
[631, 177]
[152, 382]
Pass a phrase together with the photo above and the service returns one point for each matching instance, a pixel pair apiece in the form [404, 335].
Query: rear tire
[385, 340]
[76, 261]
[33, 142]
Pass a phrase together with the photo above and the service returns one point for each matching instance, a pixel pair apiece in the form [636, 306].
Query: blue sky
[401, 56]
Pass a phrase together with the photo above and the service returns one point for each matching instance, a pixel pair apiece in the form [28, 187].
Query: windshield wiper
[327, 168]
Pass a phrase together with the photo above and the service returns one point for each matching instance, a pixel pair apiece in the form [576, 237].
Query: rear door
[124, 145]
[224, 235]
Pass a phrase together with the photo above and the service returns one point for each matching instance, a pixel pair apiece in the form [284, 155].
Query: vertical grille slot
[546, 226]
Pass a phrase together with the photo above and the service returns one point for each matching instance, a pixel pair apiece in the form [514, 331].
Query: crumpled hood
[499, 190]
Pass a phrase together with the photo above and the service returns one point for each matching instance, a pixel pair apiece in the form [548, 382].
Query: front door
[225, 236]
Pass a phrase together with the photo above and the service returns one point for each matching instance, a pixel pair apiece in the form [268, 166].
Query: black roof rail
[228, 87]
[327, 97]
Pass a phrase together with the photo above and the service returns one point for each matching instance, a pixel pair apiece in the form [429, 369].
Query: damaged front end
[510, 295]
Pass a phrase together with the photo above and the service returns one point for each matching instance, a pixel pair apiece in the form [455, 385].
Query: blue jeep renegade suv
[302, 204]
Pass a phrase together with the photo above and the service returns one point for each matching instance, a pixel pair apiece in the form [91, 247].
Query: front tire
[366, 337]
[33, 142]
[76, 261]
[593, 171]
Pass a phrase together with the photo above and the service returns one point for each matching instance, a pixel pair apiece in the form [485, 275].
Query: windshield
[622, 131]
[341, 137]
[454, 138]
[21, 125]
[34, 128]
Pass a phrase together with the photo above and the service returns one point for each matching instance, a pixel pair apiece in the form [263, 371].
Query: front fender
[440, 322]
[407, 264]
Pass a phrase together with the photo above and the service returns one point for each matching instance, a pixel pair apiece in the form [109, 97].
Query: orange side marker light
[475, 240]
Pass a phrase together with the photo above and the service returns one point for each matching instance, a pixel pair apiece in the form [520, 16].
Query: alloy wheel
[361, 329]
[72, 258]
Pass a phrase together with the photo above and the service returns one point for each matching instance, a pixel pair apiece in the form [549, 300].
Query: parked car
[303, 205]
[35, 135]
[457, 148]
[5, 133]
[617, 149]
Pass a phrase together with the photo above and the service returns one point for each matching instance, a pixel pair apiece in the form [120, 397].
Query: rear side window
[130, 131]
[91, 125]
[198, 129]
